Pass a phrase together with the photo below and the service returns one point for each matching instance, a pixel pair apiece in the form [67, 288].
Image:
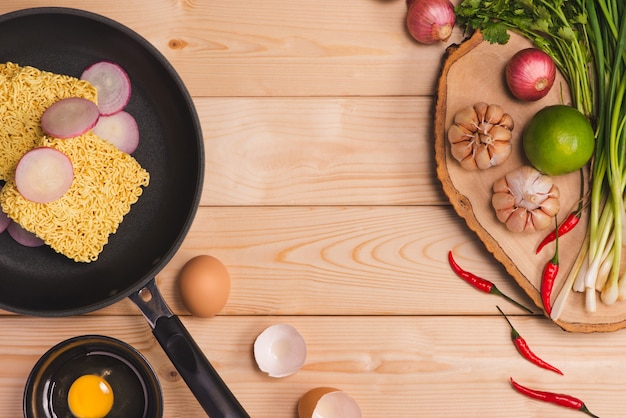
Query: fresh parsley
[587, 41]
[557, 27]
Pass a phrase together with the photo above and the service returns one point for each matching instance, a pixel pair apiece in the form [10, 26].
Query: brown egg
[204, 285]
[327, 402]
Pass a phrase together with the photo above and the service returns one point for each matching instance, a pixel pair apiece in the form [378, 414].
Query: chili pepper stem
[567, 225]
[507, 320]
[570, 221]
[524, 349]
[548, 277]
[567, 401]
[480, 283]
[555, 259]
[587, 411]
[513, 301]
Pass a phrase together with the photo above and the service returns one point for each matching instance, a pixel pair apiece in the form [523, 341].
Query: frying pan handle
[203, 380]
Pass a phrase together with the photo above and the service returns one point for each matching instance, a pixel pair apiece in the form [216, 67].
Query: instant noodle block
[25, 93]
[106, 183]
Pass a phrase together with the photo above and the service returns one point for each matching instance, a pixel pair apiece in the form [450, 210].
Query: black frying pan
[39, 282]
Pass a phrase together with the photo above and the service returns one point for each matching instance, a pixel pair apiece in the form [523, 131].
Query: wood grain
[350, 260]
[320, 197]
[470, 191]
[322, 151]
[338, 260]
[279, 48]
[422, 366]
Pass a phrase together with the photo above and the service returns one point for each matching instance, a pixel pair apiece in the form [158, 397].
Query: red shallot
[530, 74]
[70, 117]
[22, 236]
[120, 129]
[44, 174]
[4, 221]
[4, 218]
[112, 83]
[430, 21]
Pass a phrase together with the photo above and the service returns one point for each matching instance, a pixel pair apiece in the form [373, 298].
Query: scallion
[587, 41]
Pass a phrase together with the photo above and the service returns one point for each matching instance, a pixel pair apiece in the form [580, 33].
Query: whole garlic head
[480, 136]
[525, 200]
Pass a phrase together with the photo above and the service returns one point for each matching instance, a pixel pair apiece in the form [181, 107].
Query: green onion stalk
[587, 41]
[606, 32]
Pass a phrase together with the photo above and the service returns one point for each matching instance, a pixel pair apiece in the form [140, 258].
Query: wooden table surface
[321, 199]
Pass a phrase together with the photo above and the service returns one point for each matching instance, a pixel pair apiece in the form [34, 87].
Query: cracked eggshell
[280, 350]
[327, 402]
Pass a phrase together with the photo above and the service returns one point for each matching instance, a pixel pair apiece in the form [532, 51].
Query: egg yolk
[90, 396]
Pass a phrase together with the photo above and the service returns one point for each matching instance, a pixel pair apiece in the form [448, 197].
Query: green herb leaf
[495, 34]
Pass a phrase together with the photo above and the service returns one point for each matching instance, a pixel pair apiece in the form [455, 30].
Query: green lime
[558, 140]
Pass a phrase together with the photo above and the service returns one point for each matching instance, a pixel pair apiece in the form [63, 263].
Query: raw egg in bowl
[90, 396]
[92, 376]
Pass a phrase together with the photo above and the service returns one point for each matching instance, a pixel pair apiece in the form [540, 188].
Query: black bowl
[136, 389]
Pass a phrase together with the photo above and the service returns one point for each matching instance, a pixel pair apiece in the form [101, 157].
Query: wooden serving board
[474, 71]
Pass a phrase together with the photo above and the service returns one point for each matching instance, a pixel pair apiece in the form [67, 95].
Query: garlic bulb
[525, 200]
[480, 136]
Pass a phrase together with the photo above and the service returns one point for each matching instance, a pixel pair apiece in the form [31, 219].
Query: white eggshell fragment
[327, 402]
[280, 350]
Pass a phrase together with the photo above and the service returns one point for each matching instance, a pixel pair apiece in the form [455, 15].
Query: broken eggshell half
[327, 402]
[280, 350]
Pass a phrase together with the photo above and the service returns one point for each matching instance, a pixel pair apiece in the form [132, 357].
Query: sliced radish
[112, 84]
[4, 221]
[43, 174]
[4, 218]
[69, 117]
[120, 129]
[22, 236]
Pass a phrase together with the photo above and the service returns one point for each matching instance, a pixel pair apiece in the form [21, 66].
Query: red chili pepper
[567, 401]
[524, 349]
[548, 277]
[567, 225]
[480, 283]
[570, 222]
[550, 272]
